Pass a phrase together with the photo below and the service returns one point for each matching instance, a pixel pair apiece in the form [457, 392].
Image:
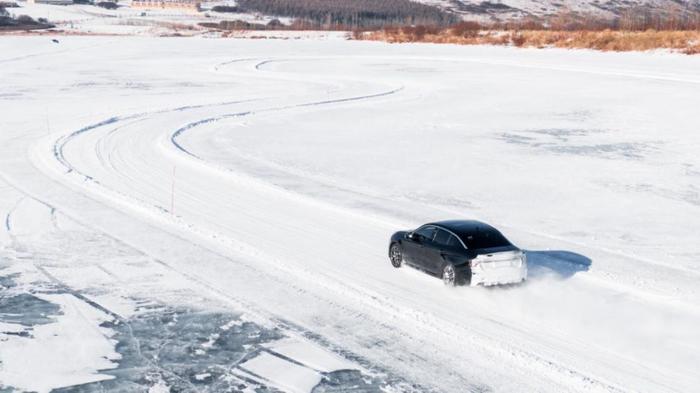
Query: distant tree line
[22, 22]
[226, 8]
[110, 5]
[636, 18]
[644, 18]
[274, 24]
[352, 13]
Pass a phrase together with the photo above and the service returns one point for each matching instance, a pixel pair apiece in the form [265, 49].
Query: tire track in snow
[60, 144]
[175, 135]
[225, 63]
[624, 73]
[54, 52]
[8, 227]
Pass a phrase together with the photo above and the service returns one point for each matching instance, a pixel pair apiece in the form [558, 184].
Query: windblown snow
[197, 213]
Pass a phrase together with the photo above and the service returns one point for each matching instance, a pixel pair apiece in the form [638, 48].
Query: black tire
[395, 255]
[449, 275]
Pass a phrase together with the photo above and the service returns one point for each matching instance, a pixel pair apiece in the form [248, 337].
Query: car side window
[442, 237]
[426, 233]
[454, 242]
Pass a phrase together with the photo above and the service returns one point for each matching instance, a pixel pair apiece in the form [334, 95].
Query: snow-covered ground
[262, 178]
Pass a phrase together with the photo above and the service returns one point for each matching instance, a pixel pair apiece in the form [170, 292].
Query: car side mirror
[411, 235]
[414, 236]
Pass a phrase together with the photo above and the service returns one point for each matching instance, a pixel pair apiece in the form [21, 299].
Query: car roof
[464, 227]
[475, 234]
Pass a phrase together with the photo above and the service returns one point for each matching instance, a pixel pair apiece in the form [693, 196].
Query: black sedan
[460, 252]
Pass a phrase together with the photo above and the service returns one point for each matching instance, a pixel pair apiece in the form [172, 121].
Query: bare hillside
[509, 9]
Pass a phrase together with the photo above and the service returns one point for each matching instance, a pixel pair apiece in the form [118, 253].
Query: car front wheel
[449, 275]
[395, 255]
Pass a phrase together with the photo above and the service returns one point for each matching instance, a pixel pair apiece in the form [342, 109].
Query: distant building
[184, 5]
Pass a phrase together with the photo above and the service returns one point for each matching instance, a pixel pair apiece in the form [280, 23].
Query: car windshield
[481, 238]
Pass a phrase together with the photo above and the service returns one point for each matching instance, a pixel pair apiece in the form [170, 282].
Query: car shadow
[563, 264]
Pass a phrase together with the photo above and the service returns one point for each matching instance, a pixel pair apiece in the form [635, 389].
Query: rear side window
[442, 237]
[454, 242]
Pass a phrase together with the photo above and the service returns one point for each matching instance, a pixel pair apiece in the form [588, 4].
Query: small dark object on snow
[55, 41]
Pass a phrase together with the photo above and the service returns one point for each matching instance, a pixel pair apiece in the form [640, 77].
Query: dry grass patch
[605, 40]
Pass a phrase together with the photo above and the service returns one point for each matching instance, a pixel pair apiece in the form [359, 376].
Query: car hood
[398, 235]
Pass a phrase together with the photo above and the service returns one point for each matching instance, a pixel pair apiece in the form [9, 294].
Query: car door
[414, 248]
[433, 252]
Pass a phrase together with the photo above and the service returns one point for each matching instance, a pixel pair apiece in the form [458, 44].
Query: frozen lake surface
[207, 214]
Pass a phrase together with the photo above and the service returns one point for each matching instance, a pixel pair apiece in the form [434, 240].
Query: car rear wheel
[395, 255]
[449, 275]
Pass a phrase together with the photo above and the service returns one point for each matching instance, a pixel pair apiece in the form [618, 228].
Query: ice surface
[287, 376]
[70, 351]
[311, 355]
